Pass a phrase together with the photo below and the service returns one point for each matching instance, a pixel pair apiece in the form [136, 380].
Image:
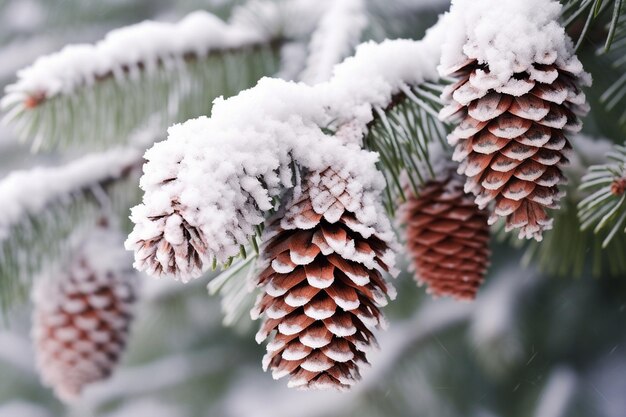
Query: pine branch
[401, 133]
[337, 33]
[587, 13]
[567, 250]
[271, 131]
[45, 207]
[89, 94]
[614, 98]
[237, 291]
[604, 208]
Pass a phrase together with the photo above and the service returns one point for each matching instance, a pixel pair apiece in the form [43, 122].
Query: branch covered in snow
[150, 70]
[44, 206]
[209, 185]
[125, 52]
[338, 31]
[28, 193]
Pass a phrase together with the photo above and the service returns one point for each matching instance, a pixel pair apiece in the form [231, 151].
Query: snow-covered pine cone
[322, 285]
[447, 237]
[83, 314]
[510, 137]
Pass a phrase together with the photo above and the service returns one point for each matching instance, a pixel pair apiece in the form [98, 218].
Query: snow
[531, 35]
[317, 314]
[221, 173]
[558, 394]
[311, 341]
[123, 51]
[339, 330]
[19, 408]
[338, 31]
[314, 364]
[339, 355]
[23, 16]
[30, 192]
[290, 329]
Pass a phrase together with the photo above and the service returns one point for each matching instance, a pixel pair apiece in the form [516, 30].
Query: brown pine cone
[510, 138]
[82, 316]
[447, 238]
[323, 283]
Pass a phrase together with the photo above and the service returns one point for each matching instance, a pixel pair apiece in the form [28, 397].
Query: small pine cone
[322, 284]
[82, 315]
[447, 238]
[510, 138]
[167, 245]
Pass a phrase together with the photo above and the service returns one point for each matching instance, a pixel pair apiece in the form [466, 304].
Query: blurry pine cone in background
[82, 316]
[447, 237]
[510, 137]
[322, 285]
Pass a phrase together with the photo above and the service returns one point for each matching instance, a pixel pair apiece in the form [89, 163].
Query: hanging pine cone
[447, 238]
[83, 314]
[323, 284]
[510, 137]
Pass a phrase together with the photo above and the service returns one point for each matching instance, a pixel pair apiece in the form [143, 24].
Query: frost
[289, 329]
[341, 331]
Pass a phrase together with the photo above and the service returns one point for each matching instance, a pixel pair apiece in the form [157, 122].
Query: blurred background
[535, 342]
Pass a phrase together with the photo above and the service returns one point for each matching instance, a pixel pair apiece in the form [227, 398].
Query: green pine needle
[107, 112]
[401, 134]
[42, 238]
[604, 208]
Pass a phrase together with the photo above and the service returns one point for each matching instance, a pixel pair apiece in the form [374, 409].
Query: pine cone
[82, 316]
[168, 245]
[510, 139]
[447, 238]
[323, 283]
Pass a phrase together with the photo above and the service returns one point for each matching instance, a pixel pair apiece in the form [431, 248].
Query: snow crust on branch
[29, 192]
[127, 51]
[338, 31]
[509, 36]
[210, 183]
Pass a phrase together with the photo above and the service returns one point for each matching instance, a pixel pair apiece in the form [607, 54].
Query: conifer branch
[91, 94]
[604, 209]
[272, 130]
[586, 13]
[401, 133]
[567, 250]
[614, 98]
[45, 207]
